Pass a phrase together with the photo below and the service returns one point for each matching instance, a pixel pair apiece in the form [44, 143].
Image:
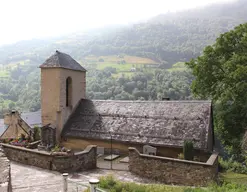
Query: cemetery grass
[231, 182]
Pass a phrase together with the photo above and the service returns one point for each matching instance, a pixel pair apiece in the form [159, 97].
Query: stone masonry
[83, 160]
[173, 171]
[5, 177]
[53, 95]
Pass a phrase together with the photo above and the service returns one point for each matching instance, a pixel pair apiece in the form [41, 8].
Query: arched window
[68, 91]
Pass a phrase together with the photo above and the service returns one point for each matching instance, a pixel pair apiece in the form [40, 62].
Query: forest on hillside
[166, 39]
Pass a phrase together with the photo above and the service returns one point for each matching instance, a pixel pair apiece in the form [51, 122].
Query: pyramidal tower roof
[62, 60]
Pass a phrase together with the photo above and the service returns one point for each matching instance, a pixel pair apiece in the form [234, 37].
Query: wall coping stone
[210, 161]
[26, 149]
[85, 151]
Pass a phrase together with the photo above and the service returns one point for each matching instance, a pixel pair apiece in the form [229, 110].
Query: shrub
[188, 150]
[57, 148]
[180, 156]
[234, 166]
[36, 133]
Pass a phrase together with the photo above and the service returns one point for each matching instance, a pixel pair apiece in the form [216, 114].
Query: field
[3, 73]
[116, 58]
[125, 65]
[4, 69]
[179, 66]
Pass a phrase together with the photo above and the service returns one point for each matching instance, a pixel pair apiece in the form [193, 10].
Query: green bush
[180, 156]
[107, 182]
[233, 166]
[188, 150]
[36, 134]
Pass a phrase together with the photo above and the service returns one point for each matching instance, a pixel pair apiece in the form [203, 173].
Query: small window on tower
[68, 91]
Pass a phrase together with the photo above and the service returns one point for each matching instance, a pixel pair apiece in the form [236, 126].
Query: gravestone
[124, 160]
[100, 150]
[48, 137]
[111, 157]
[149, 150]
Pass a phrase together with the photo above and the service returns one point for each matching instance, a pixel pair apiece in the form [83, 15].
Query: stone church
[80, 122]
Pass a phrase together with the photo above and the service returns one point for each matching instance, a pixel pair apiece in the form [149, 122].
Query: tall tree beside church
[221, 74]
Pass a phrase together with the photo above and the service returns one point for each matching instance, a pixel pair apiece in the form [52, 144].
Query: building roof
[32, 118]
[160, 123]
[62, 60]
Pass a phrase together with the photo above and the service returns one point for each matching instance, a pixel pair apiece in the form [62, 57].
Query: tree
[220, 75]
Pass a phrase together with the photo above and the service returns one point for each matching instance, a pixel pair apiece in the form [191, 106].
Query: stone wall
[5, 176]
[173, 171]
[78, 161]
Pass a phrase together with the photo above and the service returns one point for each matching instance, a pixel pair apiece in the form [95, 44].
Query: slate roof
[32, 118]
[160, 123]
[62, 60]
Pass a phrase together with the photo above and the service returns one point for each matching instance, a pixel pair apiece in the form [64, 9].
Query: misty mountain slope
[169, 38]
[174, 37]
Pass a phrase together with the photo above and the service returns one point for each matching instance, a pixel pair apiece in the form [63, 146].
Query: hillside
[174, 37]
[169, 38]
[128, 62]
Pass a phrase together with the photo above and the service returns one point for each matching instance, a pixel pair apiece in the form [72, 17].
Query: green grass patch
[110, 184]
[179, 66]
[4, 73]
[234, 178]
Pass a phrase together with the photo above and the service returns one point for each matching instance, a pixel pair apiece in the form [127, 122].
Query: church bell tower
[63, 85]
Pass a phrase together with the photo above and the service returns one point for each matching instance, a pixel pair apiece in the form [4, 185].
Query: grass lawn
[238, 183]
[234, 178]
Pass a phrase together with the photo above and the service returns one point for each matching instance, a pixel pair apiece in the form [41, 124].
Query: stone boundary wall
[174, 171]
[83, 160]
[5, 174]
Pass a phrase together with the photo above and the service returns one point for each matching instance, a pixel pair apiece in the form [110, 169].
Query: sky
[27, 19]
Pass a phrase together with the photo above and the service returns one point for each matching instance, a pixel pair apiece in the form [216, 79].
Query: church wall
[78, 91]
[50, 94]
[53, 95]
[122, 148]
